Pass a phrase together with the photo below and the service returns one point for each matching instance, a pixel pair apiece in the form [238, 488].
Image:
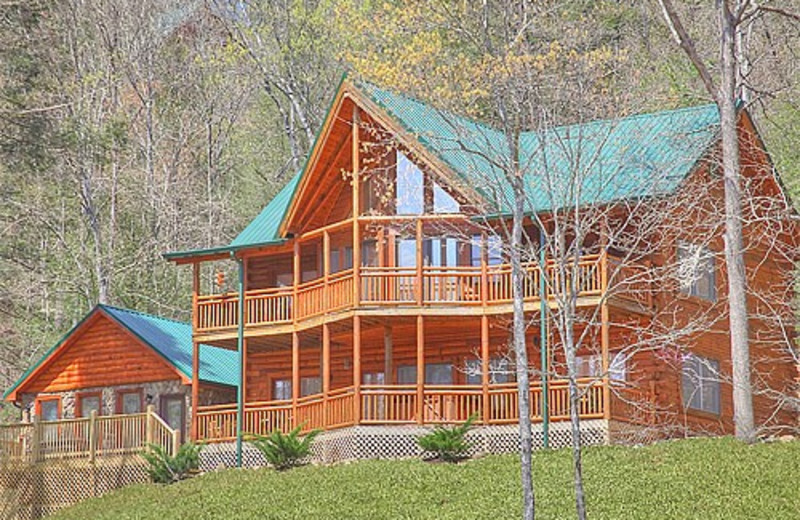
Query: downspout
[543, 340]
[240, 352]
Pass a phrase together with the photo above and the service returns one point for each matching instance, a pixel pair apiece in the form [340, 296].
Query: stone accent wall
[152, 395]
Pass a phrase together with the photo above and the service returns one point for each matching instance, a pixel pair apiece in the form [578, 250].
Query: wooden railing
[267, 306]
[87, 437]
[397, 404]
[399, 286]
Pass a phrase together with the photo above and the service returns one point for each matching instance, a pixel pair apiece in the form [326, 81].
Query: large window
[494, 250]
[435, 374]
[592, 366]
[281, 389]
[499, 371]
[49, 408]
[700, 386]
[696, 271]
[310, 386]
[410, 187]
[129, 401]
[411, 199]
[87, 403]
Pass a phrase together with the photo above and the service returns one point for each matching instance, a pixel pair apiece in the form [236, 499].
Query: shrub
[284, 451]
[166, 469]
[449, 444]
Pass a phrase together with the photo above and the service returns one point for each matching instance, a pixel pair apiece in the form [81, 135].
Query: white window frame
[697, 271]
[700, 384]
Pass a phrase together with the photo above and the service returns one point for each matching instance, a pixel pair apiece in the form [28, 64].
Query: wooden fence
[87, 437]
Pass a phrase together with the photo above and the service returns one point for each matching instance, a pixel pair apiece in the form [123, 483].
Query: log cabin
[118, 361]
[375, 289]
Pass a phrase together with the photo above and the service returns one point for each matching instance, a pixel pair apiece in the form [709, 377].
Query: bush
[449, 444]
[166, 469]
[284, 451]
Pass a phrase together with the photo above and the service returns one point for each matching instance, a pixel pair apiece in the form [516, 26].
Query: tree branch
[687, 44]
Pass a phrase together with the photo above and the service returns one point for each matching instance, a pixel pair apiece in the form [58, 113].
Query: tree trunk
[574, 411]
[734, 243]
[521, 352]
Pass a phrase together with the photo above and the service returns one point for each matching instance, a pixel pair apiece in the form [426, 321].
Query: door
[173, 411]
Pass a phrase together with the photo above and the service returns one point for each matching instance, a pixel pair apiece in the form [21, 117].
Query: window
[281, 389]
[494, 250]
[499, 371]
[700, 384]
[406, 252]
[441, 252]
[373, 378]
[49, 408]
[592, 366]
[696, 271]
[85, 404]
[435, 374]
[369, 253]
[411, 191]
[410, 187]
[443, 202]
[310, 386]
[129, 401]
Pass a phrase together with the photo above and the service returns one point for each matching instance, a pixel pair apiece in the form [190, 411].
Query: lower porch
[497, 404]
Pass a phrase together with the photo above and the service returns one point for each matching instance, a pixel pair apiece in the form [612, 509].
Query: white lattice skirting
[393, 442]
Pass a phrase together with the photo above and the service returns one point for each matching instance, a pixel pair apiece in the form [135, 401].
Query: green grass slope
[703, 479]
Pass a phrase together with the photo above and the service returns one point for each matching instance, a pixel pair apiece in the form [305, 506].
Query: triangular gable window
[411, 199]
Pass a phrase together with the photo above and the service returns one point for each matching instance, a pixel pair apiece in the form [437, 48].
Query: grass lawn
[698, 479]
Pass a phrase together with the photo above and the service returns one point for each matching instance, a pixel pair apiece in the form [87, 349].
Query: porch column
[388, 347]
[295, 277]
[326, 368]
[604, 326]
[485, 367]
[195, 352]
[356, 163]
[195, 388]
[326, 269]
[420, 260]
[420, 368]
[484, 271]
[357, 368]
[295, 375]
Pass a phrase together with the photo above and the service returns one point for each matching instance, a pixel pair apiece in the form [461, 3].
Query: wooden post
[357, 368]
[388, 354]
[295, 277]
[295, 375]
[484, 271]
[92, 434]
[176, 443]
[36, 439]
[485, 367]
[326, 269]
[149, 430]
[195, 295]
[604, 328]
[195, 388]
[420, 259]
[356, 163]
[420, 368]
[326, 369]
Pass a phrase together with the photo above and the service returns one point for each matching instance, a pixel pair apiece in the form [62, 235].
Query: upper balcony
[461, 290]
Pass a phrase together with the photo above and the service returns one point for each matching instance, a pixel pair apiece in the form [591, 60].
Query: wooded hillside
[133, 128]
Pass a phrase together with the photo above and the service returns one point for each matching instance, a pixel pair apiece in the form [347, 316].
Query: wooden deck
[470, 290]
[396, 405]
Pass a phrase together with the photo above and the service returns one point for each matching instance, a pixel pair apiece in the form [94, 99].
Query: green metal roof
[592, 163]
[264, 228]
[171, 339]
